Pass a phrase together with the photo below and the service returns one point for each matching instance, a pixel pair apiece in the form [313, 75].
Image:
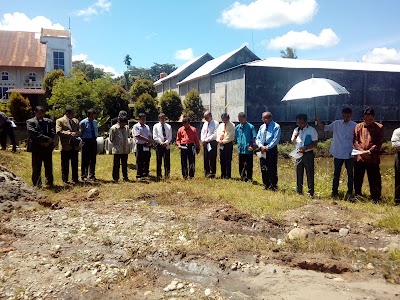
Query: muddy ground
[143, 249]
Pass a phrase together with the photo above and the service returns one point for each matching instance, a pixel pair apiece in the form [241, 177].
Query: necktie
[223, 133]
[70, 124]
[92, 130]
[163, 132]
[265, 134]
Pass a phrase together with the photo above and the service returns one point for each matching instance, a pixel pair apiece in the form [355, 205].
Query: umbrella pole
[315, 112]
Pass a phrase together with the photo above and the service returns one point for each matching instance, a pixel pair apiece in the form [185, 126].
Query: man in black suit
[40, 143]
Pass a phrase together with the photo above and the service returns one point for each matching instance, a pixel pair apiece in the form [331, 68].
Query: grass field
[245, 197]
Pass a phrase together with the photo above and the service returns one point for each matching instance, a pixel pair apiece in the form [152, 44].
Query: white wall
[58, 44]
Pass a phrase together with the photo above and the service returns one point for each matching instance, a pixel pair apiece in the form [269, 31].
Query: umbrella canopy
[314, 87]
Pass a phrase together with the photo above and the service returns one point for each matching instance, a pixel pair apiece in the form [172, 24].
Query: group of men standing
[356, 146]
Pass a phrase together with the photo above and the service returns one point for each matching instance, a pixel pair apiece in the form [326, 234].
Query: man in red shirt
[188, 141]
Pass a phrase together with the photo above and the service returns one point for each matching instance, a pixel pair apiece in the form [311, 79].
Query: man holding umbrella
[342, 145]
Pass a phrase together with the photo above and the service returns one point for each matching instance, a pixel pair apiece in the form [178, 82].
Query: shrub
[148, 105]
[50, 80]
[194, 108]
[142, 86]
[171, 105]
[19, 107]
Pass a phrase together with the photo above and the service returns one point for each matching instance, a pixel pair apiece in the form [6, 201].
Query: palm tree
[127, 61]
[289, 53]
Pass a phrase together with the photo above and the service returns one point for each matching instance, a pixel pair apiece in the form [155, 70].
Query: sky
[174, 31]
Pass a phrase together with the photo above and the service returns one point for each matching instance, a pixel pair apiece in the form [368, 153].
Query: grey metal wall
[265, 87]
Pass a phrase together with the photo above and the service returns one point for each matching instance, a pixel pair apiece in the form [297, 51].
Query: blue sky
[173, 31]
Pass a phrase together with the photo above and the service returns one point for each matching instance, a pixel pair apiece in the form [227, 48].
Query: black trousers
[269, 169]
[66, 158]
[349, 165]
[246, 166]
[44, 158]
[7, 130]
[142, 161]
[374, 179]
[162, 153]
[188, 161]
[210, 159]
[88, 163]
[306, 162]
[225, 156]
[120, 159]
[397, 179]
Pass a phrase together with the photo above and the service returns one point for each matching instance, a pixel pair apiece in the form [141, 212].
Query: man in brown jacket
[67, 128]
[368, 138]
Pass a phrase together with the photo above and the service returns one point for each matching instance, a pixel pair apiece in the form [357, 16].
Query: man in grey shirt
[342, 145]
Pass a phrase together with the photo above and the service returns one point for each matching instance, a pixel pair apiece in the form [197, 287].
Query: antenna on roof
[69, 23]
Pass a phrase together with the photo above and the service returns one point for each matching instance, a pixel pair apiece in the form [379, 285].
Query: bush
[171, 105]
[142, 86]
[148, 105]
[19, 107]
[50, 80]
[194, 108]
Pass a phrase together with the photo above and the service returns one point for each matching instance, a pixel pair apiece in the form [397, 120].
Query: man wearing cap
[40, 143]
[67, 128]
[162, 136]
[119, 137]
[225, 138]
[189, 144]
[210, 144]
[143, 137]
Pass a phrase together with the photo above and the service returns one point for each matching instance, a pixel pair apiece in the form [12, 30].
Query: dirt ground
[143, 249]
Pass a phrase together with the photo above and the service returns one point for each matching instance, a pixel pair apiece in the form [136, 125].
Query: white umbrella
[314, 87]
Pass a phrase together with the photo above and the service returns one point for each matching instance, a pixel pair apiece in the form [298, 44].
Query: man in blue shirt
[90, 131]
[268, 138]
[342, 145]
[245, 135]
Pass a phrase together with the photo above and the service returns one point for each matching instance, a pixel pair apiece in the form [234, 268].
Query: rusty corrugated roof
[55, 32]
[21, 49]
[26, 91]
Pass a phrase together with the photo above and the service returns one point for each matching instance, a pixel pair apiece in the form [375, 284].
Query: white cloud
[305, 40]
[98, 8]
[83, 57]
[262, 14]
[184, 54]
[151, 35]
[20, 22]
[382, 56]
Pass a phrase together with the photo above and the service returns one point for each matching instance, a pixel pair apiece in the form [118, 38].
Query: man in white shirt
[143, 137]
[210, 144]
[162, 136]
[342, 145]
[396, 144]
[306, 139]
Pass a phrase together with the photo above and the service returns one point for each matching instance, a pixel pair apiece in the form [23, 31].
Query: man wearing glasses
[267, 140]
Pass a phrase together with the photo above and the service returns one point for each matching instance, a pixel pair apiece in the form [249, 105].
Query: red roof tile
[27, 91]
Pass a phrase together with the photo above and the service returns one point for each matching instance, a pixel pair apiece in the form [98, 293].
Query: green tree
[142, 86]
[147, 104]
[193, 106]
[127, 61]
[289, 53]
[156, 69]
[171, 105]
[89, 70]
[19, 107]
[73, 91]
[110, 97]
[50, 79]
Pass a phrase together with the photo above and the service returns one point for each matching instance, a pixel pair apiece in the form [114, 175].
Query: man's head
[207, 116]
[70, 112]
[91, 114]
[369, 116]
[122, 114]
[301, 120]
[142, 118]
[242, 118]
[225, 118]
[186, 122]
[39, 112]
[347, 113]
[266, 117]
[162, 118]
[122, 121]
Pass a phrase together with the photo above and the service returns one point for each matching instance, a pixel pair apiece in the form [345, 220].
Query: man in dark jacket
[6, 128]
[40, 143]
